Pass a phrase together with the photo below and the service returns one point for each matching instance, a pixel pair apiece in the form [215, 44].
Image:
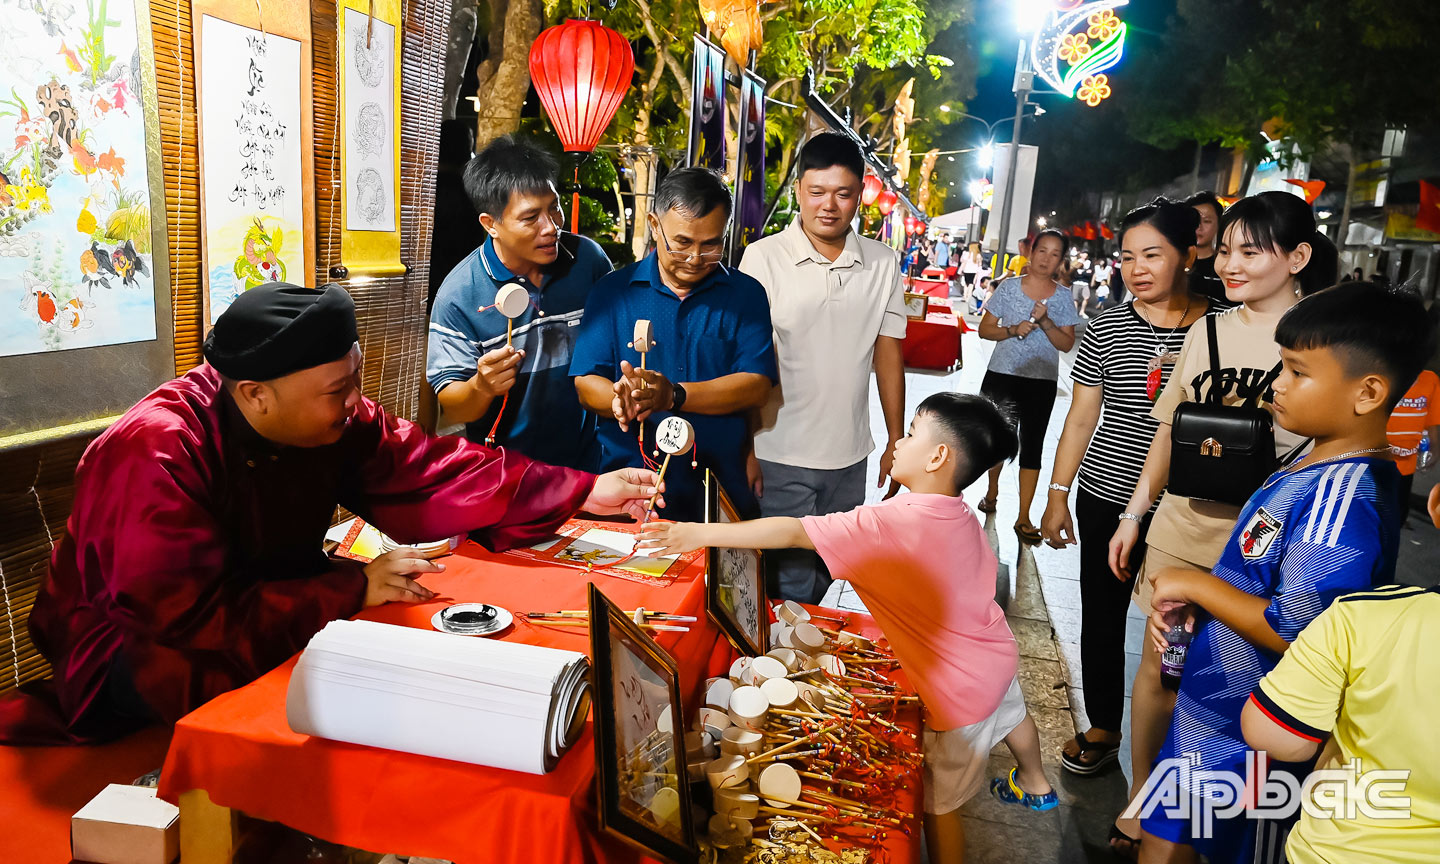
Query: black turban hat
[278, 328]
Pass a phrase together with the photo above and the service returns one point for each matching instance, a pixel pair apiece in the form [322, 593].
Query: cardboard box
[126, 825]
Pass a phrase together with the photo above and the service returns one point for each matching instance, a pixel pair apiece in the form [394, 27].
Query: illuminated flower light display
[1076, 44]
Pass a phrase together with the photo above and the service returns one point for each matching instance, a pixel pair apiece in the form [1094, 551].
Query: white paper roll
[502, 704]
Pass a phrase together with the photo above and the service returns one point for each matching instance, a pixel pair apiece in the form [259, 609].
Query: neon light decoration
[1076, 44]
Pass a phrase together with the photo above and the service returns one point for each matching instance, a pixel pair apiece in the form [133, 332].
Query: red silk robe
[193, 552]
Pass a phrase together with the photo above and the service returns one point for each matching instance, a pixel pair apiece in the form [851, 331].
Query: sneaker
[1007, 791]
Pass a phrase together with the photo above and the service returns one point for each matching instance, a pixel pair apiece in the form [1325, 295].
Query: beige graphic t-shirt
[1196, 531]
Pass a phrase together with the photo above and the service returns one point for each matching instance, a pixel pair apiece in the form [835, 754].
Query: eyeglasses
[686, 255]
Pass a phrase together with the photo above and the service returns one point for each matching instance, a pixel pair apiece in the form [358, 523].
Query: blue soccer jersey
[1301, 541]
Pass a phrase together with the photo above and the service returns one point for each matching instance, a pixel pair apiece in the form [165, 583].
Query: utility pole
[1024, 81]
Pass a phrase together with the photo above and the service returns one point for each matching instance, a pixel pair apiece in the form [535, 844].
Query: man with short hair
[942, 252]
[712, 361]
[192, 561]
[838, 308]
[517, 396]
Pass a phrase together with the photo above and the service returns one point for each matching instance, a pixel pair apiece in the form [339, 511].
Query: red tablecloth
[240, 749]
[932, 288]
[935, 342]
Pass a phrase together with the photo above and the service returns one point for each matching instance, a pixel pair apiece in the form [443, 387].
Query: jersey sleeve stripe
[1339, 523]
[1282, 718]
[1319, 496]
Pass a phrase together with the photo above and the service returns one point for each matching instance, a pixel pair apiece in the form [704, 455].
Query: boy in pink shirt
[921, 563]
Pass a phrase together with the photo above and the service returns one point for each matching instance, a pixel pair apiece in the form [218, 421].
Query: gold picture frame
[640, 766]
[916, 305]
[734, 581]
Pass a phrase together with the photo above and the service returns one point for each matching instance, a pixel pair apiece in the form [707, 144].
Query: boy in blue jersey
[1314, 531]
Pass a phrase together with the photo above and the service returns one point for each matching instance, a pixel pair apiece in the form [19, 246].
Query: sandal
[1123, 846]
[1007, 791]
[1028, 534]
[1109, 754]
[986, 505]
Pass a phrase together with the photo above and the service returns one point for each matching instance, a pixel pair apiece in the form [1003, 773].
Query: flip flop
[1029, 535]
[986, 505]
[1123, 846]
[1109, 754]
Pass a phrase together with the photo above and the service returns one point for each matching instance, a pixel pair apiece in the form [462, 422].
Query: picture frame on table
[640, 764]
[916, 305]
[735, 581]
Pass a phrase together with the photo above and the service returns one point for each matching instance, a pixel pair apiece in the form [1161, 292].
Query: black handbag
[1222, 452]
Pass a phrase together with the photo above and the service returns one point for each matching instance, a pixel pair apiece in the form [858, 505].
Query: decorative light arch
[1076, 43]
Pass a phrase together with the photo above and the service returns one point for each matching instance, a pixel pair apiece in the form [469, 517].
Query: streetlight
[985, 156]
[1040, 222]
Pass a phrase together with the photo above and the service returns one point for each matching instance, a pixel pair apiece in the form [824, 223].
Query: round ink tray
[471, 619]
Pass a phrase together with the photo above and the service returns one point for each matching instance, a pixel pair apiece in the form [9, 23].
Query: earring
[1187, 269]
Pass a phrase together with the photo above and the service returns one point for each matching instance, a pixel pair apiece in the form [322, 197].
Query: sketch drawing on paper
[74, 184]
[251, 159]
[370, 129]
[370, 195]
[369, 117]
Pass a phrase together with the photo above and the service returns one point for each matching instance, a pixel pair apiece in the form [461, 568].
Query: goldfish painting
[96, 268]
[127, 263]
[39, 300]
[71, 317]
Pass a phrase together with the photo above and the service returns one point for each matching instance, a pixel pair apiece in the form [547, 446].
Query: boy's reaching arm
[1242, 612]
[677, 538]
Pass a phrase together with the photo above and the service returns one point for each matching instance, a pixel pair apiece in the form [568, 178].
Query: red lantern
[912, 225]
[886, 201]
[581, 70]
[870, 190]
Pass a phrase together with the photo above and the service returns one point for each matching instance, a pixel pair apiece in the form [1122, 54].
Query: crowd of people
[1226, 448]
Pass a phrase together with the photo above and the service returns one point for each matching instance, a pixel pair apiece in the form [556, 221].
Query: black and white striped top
[1116, 355]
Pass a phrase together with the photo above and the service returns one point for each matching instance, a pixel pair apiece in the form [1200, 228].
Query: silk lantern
[886, 201]
[870, 190]
[581, 70]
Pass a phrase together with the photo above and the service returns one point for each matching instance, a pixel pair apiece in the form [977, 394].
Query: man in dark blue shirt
[521, 395]
[712, 361]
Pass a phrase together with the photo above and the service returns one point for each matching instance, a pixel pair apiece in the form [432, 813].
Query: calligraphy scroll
[707, 107]
[750, 180]
[369, 56]
[256, 150]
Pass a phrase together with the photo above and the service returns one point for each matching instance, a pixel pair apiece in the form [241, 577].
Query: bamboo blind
[36, 484]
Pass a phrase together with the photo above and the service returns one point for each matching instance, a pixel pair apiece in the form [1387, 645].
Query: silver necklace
[1160, 346]
[1291, 469]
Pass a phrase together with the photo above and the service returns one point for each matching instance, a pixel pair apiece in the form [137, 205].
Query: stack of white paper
[503, 704]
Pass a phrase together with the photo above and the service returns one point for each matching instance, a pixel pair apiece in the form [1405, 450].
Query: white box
[126, 825]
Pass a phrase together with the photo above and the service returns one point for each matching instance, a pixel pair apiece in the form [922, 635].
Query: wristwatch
[677, 401]
[1132, 517]
[1056, 487]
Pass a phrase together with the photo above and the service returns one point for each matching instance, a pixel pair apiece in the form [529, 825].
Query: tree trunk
[1195, 169]
[1344, 228]
[457, 55]
[505, 74]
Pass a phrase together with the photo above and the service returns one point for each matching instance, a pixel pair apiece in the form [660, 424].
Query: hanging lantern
[886, 201]
[912, 225]
[581, 70]
[870, 190]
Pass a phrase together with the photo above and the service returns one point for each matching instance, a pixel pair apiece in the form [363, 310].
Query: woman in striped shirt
[1124, 360]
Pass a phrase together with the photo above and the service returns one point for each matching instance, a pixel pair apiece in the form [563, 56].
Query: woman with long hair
[1270, 255]
[1124, 361]
[1033, 319]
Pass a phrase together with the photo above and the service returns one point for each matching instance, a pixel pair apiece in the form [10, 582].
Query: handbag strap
[1213, 397]
[1265, 384]
[1289, 458]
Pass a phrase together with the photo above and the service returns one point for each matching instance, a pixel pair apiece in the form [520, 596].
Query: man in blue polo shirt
[518, 396]
[712, 362]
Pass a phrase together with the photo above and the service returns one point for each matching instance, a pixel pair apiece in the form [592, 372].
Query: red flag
[1106, 232]
[1090, 232]
[1428, 219]
[1312, 188]
[1077, 232]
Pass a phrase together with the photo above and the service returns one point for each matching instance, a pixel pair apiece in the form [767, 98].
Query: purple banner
[750, 184]
[707, 107]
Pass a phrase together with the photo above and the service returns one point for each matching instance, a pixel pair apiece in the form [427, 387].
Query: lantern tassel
[575, 202]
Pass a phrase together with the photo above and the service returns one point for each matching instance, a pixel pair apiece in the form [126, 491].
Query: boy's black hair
[1370, 327]
[694, 192]
[829, 149]
[505, 166]
[980, 434]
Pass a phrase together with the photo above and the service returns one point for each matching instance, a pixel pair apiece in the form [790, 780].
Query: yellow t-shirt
[1196, 531]
[1017, 264]
[1367, 671]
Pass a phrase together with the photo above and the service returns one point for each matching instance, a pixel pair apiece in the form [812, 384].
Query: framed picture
[916, 305]
[639, 737]
[734, 581]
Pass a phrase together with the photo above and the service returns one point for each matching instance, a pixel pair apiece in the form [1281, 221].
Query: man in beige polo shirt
[838, 308]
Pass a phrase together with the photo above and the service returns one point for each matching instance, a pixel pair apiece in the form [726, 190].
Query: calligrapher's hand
[670, 538]
[387, 578]
[627, 490]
